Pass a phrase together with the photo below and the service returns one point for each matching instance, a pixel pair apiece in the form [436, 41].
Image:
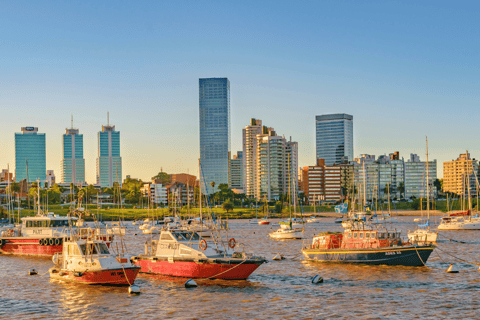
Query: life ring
[203, 244]
[232, 243]
[57, 241]
[51, 241]
[40, 242]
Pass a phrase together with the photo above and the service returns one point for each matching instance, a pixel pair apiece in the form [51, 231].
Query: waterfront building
[214, 103]
[322, 183]
[334, 138]
[249, 139]
[394, 176]
[155, 191]
[109, 162]
[6, 176]
[73, 162]
[30, 148]
[236, 172]
[460, 173]
[185, 178]
[276, 166]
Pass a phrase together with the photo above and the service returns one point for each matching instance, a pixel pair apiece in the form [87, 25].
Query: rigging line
[209, 278]
[419, 256]
[460, 259]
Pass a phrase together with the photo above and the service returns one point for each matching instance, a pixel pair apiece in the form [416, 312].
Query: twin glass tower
[214, 100]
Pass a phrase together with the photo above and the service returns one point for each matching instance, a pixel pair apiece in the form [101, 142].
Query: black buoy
[190, 284]
[32, 272]
[317, 279]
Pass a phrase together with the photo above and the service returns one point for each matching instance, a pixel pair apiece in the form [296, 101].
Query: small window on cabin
[103, 248]
[166, 236]
[83, 247]
[92, 249]
[372, 235]
[360, 234]
[29, 224]
[381, 235]
[355, 236]
[367, 235]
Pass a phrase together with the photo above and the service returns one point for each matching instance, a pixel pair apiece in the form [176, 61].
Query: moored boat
[295, 233]
[366, 246]
[182, 253]
[264, 221]
[90, 261]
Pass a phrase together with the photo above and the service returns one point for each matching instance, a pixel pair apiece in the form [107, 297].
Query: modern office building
[73, 162]
[109, 162]
[236, 172]
[457, 174]
[249, 138]
[156, 192]
[30, 149]
[214, 103]
[334, 138]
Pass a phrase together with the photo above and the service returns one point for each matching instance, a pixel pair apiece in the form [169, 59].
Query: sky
[404, 70]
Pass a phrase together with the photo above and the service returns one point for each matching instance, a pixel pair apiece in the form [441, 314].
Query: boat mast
[200, 188]
[428, 184]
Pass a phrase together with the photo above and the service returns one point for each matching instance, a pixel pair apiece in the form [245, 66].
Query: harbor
[277, 289]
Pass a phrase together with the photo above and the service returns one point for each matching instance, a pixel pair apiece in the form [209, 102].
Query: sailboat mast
[428, 185]
[200, 188]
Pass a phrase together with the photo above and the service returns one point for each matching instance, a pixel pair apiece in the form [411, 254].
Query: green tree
[227, 206]
[163, 177]
[401, 189]
[278, 206]
[438, 183]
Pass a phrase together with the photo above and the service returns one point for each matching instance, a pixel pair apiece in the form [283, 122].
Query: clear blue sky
[403, 69]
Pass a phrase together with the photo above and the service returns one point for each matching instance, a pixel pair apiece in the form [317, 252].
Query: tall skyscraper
[109, 162]
[73, 163]
[30, 148]
[214, 100]
[334, 138]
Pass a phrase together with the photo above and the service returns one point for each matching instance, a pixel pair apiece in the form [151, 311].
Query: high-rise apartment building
[236, 172]
[460, 173]
[334, 138]
[73, 163]
[30, 149]
[249, 138]
[109, 162]
[391, 175]
[214, 101]
[270, 163]
[321, 182]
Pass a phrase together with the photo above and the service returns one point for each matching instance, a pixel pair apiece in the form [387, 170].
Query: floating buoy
[134, 289]
[190, 284]
[32, 272]
[278, 257]
[134, 234]
[78, 274]
[451, 269]
[317, 279]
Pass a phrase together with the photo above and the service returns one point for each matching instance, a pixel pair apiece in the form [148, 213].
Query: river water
[277, 290]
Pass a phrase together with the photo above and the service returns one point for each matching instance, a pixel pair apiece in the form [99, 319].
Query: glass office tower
[73, 163]
[109, 162]
[214, 100]
[30, 148]
[334, 138]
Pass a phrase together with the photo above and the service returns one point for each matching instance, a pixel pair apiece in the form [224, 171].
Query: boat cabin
[49, 225]
[357, 239]
[81, 254]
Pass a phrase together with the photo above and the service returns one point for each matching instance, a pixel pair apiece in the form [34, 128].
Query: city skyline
[402, 72]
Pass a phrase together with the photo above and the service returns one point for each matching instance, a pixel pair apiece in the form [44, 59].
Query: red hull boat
[182, 253]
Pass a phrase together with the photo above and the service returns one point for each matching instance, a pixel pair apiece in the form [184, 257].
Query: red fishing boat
[182, 253]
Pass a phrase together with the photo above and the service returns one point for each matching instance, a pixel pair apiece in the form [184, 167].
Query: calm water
[277, 290]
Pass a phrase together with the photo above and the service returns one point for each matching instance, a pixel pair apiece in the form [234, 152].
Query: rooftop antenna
[108, 118]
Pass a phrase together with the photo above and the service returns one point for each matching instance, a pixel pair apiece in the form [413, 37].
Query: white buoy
[190, 284]
[134, 289]
[278, 257]
[32, 272]
[451, 269]
[317, 279]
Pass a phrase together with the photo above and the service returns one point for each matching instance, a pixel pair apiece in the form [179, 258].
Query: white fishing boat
[383, 218]
[313, 219]
[460, 223]
[90, 262]
[296, 233]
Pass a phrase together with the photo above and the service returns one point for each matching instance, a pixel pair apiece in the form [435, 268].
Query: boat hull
[119, 276]
[412, 256]
[263, 222]
[211, 268]
[28, 247]
[460, 226]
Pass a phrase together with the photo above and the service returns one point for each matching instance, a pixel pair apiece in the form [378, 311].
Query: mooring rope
[460, 259]
[225, 270]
